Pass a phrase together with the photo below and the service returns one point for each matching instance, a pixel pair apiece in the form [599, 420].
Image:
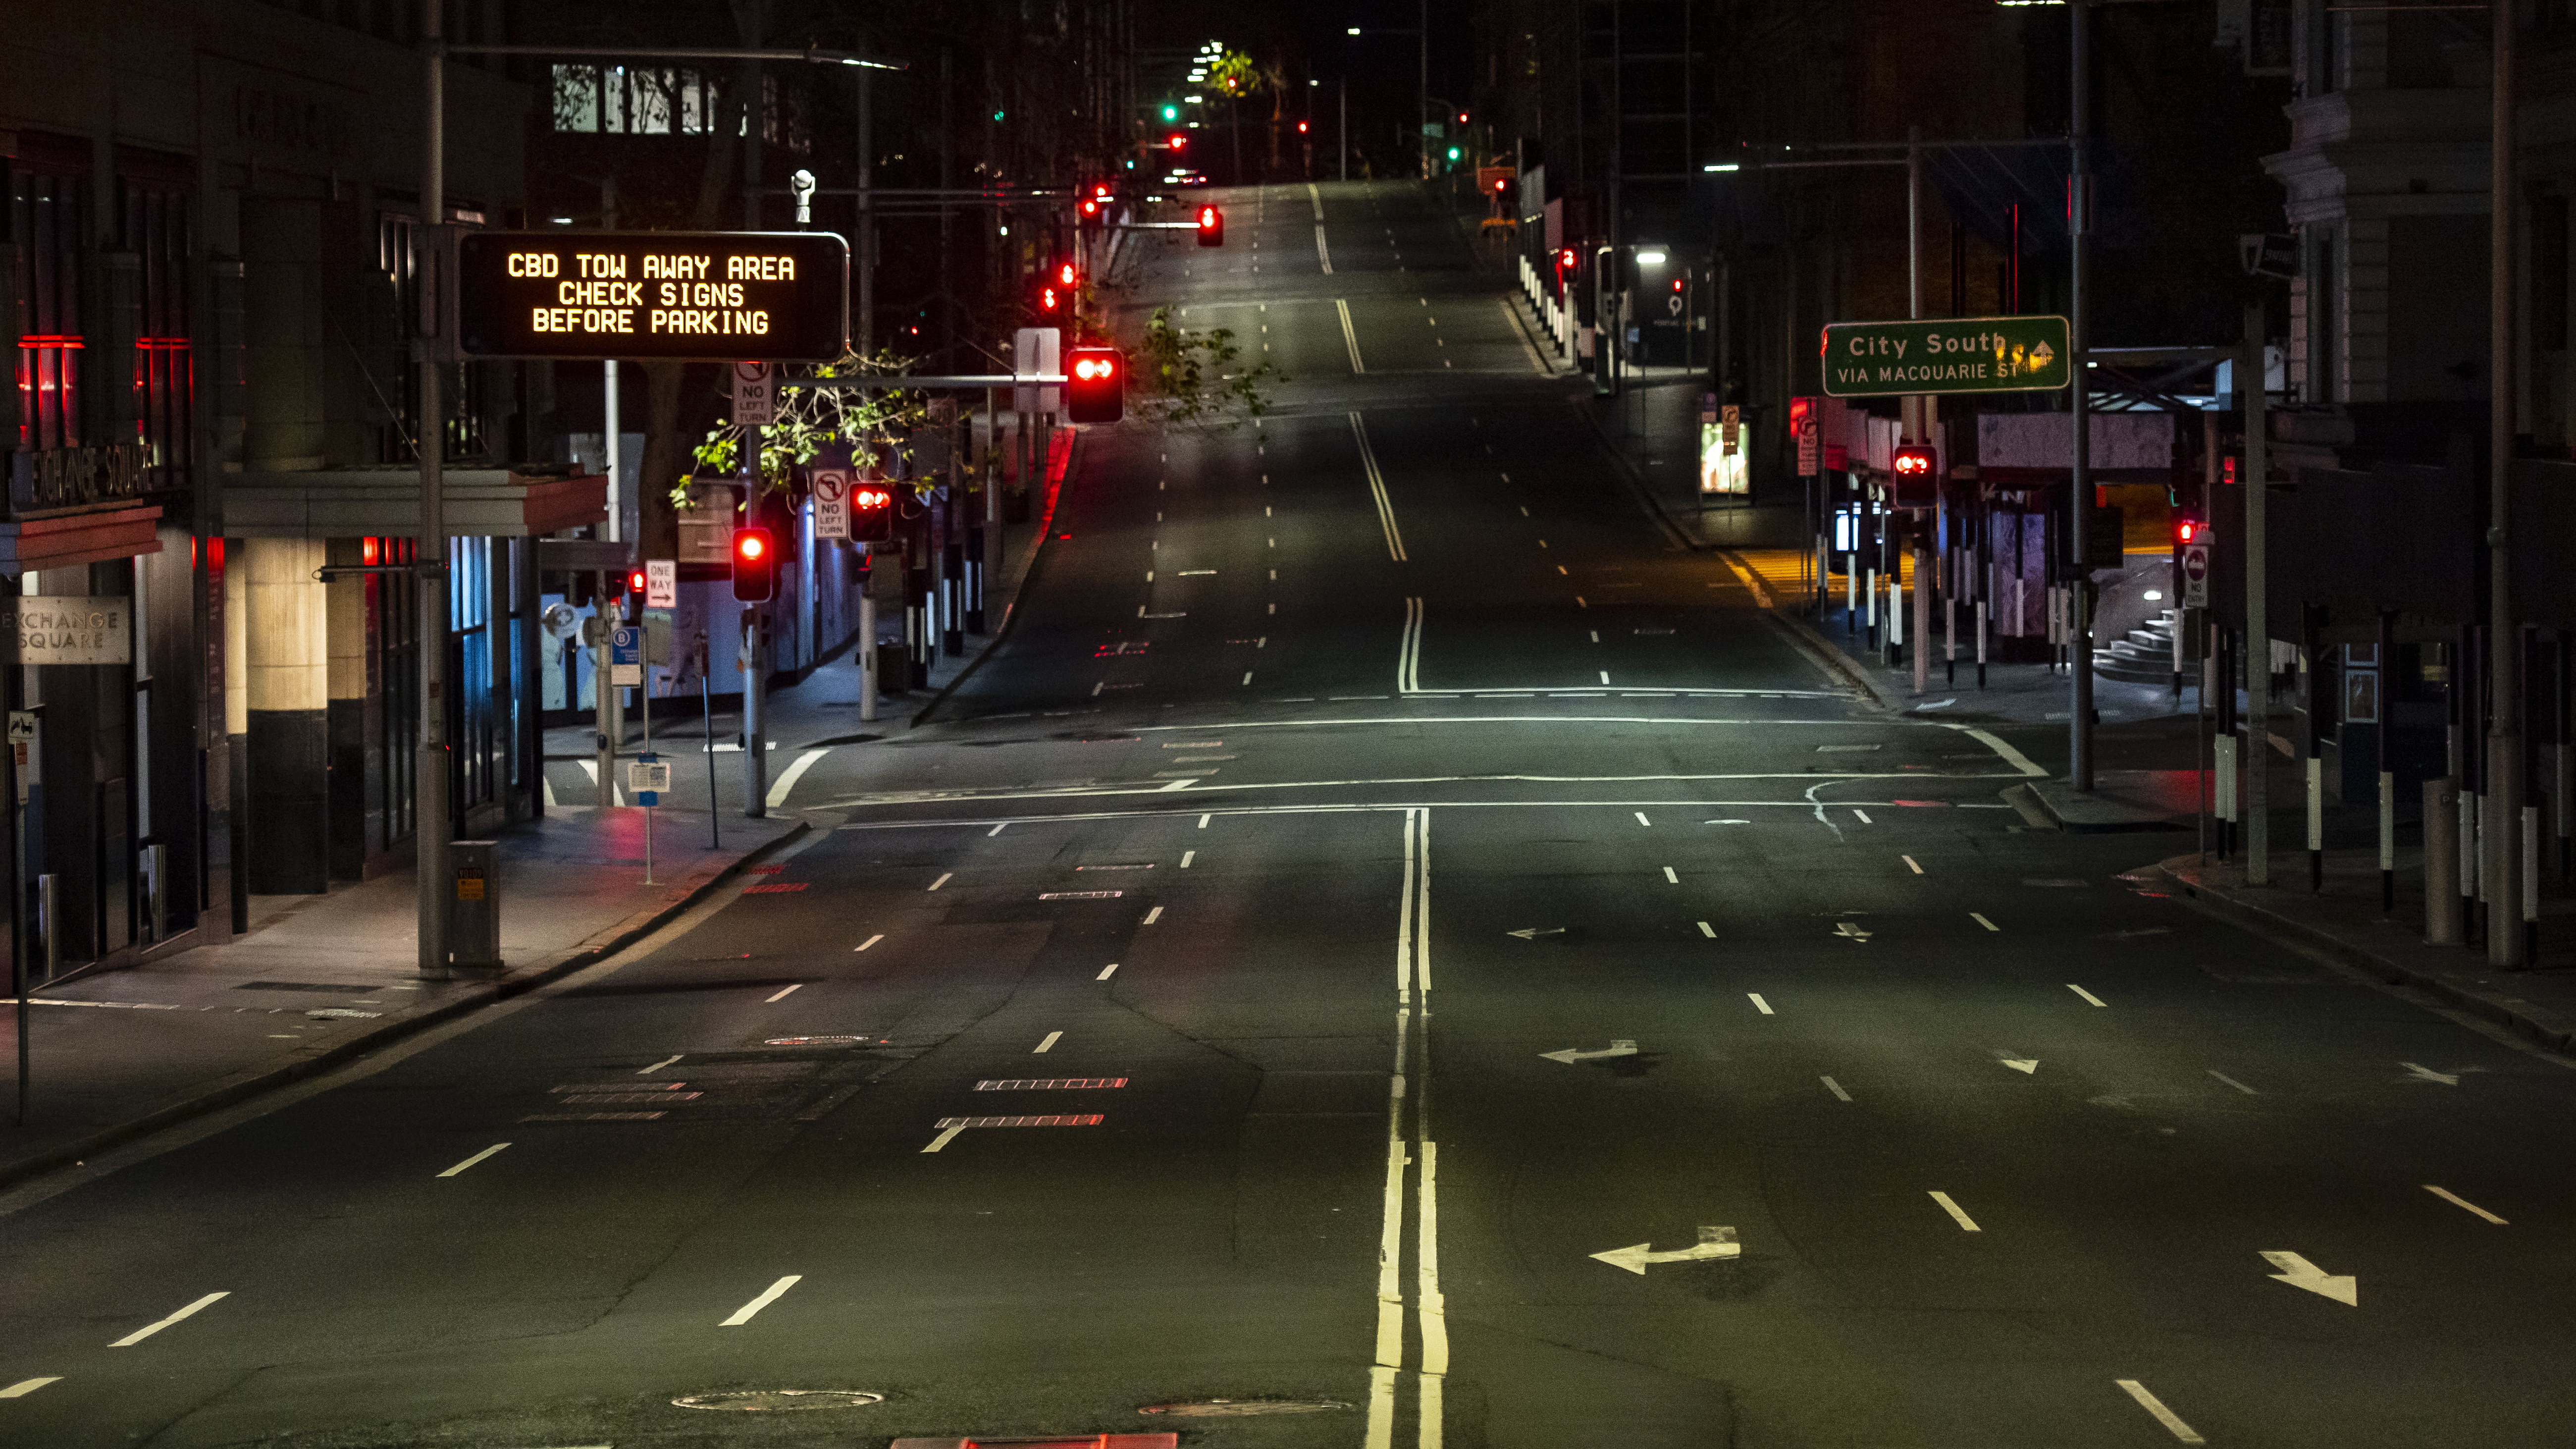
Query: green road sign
[1956, 354]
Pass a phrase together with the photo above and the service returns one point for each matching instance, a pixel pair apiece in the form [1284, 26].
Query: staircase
[2144, 657]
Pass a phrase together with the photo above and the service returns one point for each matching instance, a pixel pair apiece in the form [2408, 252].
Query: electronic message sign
[691, 296]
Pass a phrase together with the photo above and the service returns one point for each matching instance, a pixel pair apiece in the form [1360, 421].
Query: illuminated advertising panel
[685, 296]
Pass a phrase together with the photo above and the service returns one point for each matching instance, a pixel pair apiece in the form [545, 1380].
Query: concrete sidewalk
[322, 979]
[2344, 922]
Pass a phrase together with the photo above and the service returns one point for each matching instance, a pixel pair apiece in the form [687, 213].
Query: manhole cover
[1243, 1408]
[777, 1400]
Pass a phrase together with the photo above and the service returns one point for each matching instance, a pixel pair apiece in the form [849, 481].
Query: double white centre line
[1410, 1083]
[1408, 650]
[1377, 487]
[1350, 337]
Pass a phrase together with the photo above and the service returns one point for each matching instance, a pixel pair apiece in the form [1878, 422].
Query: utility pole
[2258, 602]
[429, 778]
[1917, 428]
[866, 239]
[2500, 833]
[2079, 610]
[1342, 141]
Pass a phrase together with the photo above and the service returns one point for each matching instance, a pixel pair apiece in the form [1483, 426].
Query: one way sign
[2195, 576]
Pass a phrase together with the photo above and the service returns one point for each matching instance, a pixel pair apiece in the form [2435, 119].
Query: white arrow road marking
[743, 1314]
[2153, 1405]
[2298, 1272]
[1966, 1223]
[1532, 932]
[2415, 1073]
[1713, 1243]
[1619, 1047]
[2456, 1200]
[149, 1329]
[23, 1387]
[477, 1157]
[1852, 931]
[1835, 1087]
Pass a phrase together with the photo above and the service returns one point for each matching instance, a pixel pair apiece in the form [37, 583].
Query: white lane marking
[1247, 676]
[743, 1314]
[2415, 1073]
[1324, 255]
[149, 1329]
[1596, 635]
[1430, 1308]
[1966, 1223]
[996, 830]
[1835, 1087]
[2231, 1081]
[1706, 931]
[2153, 1405]
[1910, 865]
[1153, 915]
[2298, 1272]
[1990, 740]
[666, 1061]
[863, 945]
[550, 804]
[1095, 689]
[1377, 492]
[1982, 921]
[1316, 196]
[1642, 820]
[23, 1387]
[1408, 649]
[782, 993]
[1186, 857]
[787, 779]
[942, 1140]
[1671, 878]
[1864, 816]
[1047, 1045]
[943, 880]
[1349, 337]
[2457, 1201]
[1105, 971]
[1759, 1004]
[2087, 995]
[477, 1157]
[1203, 820]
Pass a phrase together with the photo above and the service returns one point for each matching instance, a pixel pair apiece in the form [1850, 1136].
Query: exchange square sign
[68, 629]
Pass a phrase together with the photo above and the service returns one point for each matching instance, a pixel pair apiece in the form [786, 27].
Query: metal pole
[755, 677]
[608, 454]
[1422, 104]
[2079, 624]
[866, 328]
[429, 777]
[992, 511]
[2258, 612]
[2504, 773]
[1342, 140]
[607, 729]
[707, 716]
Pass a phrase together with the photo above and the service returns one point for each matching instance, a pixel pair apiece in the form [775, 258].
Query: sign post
[1952, 355]
[646, 778]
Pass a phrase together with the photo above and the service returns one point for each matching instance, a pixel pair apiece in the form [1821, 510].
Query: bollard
[474, 906]
[2316, 825]
[2387, 843]
[2223, 791]
[2441, 862]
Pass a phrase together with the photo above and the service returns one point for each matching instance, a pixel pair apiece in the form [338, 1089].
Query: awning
[385, 502]
[92, 536]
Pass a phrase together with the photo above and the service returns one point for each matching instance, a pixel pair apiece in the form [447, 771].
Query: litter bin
[474, 906]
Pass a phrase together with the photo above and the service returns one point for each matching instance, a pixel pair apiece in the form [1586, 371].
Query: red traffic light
[1050, 301]
[1211, 227]
[871, 513]
[1301, 128]
[1095, 392]
[1462, 118]
[755, 564]
[1065, 275]
[1565, 260]
[1913, 463]
[1091, 208]
[634, 581]
[1179, 141]
[2189, 530]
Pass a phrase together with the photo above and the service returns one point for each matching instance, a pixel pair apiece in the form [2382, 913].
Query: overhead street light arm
[649, 52]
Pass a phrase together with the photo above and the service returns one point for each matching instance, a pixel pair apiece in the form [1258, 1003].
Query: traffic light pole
[2500, 836]
[429, 778]
[755, 674]
[2079, 613]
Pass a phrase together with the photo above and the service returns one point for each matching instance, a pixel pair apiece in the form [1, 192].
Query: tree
[1186, 379]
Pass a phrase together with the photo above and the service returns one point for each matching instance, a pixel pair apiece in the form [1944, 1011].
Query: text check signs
[692, 296]
[1956, 354]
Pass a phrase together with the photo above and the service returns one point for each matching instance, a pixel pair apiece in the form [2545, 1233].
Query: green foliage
[1198, 378]
[812, 419]
[1234, 73]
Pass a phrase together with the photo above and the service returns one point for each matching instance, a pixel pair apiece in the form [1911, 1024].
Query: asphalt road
[1378, 878]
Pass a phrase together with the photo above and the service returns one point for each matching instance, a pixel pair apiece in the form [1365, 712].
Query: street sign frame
[663, 296]
[831, 502]
[2195, 576]
[755, 394]
[1948, 355]
[626, 656]
[661, 583]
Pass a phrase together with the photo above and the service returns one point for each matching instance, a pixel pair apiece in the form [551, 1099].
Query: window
[46, 212]
[619, 100]
[154, 224]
